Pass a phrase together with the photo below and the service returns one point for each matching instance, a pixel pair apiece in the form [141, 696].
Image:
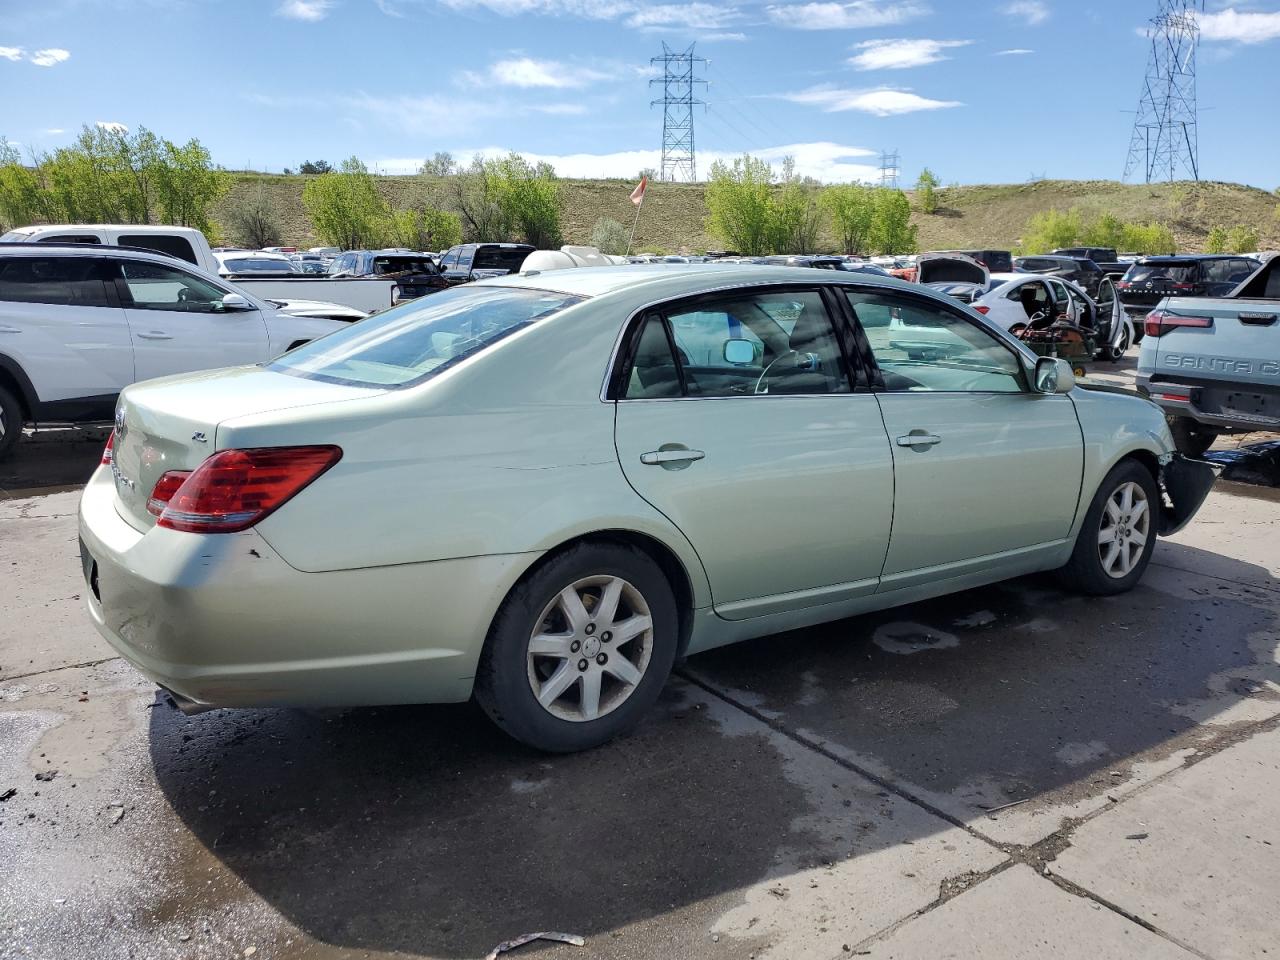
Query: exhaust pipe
[188, 706]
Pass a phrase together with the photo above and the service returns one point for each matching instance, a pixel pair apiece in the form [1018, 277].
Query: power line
[678, 82]
[1165, 137]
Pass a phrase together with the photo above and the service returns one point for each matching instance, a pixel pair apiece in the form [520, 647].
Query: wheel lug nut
[582, 665]
[602, 659]
[575, 646]
[606, 637]
[591, 628]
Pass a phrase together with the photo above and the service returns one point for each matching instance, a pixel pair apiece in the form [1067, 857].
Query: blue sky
[982, 91]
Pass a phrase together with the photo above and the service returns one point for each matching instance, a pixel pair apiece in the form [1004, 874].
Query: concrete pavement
[1010, 772]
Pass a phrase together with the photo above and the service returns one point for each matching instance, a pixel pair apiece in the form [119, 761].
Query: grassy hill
[674, 215]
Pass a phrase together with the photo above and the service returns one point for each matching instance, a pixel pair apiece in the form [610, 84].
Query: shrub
[253, 219]
[609, 236]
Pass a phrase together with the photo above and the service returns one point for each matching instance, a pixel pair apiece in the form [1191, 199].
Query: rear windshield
[259, 265]
[411, 343]
[403, 264]
[499, 258]
[1177, 272]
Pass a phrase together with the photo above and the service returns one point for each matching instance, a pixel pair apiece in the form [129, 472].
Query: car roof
[28, 249]
[674, 280]
[246, 254]
[1177, 257]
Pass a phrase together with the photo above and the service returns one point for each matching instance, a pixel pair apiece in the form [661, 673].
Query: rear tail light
[1184, 286]
[108, 451]
[1122, 284]
[165, 488]
[1160, 322]
[1165, 395]
[982, 309]
[235, 489]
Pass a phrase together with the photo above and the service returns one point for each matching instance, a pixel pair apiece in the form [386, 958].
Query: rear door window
[70, 238]
[500, 258]
[65, 281]
[165, 243]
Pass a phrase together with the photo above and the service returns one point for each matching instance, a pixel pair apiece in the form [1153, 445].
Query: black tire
[1085, 571]
[1191, 438]
[11, 420]
[503, 685]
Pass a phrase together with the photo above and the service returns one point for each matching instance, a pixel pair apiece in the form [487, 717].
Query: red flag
[637, 195]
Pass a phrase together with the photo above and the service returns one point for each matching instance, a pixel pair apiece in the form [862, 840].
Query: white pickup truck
[366, 294]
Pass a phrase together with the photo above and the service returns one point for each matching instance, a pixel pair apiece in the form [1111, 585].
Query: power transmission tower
[1165, 140]
[678, 82]
[890, 164]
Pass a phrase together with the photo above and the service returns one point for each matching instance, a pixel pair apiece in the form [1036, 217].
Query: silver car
[541, 490]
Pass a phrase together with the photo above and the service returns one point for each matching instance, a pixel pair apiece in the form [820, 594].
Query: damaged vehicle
[957, 275]
[249, 539]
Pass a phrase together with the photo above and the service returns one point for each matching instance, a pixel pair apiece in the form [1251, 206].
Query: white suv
[79, 323]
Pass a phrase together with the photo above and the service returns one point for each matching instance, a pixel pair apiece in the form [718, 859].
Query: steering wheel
[765, 372]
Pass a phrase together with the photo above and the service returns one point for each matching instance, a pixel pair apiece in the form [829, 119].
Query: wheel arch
[668, 561]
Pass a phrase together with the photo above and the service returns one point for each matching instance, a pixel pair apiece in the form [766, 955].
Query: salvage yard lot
[1013, 771]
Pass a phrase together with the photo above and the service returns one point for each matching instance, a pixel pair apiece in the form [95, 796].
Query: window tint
[653, 369]
[464, 257]
[408, 344]
[393, 264]
[1241, 270]
[154, 286]
[174, 246]
[500, 258]
[450, 259]
[74, 281]
[921, 347]
[751, 343]
[1174, 272]
[70, 238]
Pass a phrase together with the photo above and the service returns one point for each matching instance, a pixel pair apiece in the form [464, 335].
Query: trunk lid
[951, 268]
[171, 423]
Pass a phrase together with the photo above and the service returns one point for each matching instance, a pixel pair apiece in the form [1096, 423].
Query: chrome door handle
[659, 457]
[154, 335]
[918, 440]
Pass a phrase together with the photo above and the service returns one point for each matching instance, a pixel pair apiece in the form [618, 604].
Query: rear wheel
[580, 649]
[10, 422]
[1191, 438]
[1118, 536]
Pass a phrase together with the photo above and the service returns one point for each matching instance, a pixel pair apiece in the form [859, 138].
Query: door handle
[155, 335]
[919, 440]
[680, 455]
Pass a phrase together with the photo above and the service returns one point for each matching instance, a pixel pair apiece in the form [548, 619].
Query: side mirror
[740, 353]
[1053, 375]
[235, 301]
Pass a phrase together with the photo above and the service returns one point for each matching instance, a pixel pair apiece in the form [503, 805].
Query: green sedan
[541, 490]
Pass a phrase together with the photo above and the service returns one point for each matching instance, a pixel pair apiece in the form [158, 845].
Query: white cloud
[882, 101]
[560, 109]
[857, 15]
[1247, 27]
[525, 72]
[50, 57]
[649, 17]
[11, 53]
[1032, 11]
[54, 131]
[828, 162]
[1016, 52]
[900, 54]
[681, 16]
[714, 37]
[111, 126]
[308, 10]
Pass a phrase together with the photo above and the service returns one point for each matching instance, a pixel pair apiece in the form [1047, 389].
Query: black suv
[1104, 257]
[415, 274]
[1151, 279]
[475, 261]
[1081, 271]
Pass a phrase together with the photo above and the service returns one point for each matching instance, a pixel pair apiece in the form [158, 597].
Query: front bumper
[223, 620]
[1185, 484]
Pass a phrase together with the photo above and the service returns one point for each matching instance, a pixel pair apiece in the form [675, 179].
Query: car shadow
[45, 465]
[424, 830]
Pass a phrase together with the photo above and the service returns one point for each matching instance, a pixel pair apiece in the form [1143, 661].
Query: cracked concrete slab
[1017, 915]
[1197, 854]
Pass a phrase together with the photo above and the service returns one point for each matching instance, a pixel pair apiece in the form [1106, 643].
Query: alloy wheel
[1124, 529]
[589, 648]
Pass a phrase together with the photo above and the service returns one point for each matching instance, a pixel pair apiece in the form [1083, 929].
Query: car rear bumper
[1239, 407]
[223, 620]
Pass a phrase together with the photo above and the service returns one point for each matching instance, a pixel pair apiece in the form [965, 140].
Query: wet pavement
[1010, 772]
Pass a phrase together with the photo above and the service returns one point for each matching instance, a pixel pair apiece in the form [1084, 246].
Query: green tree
[440, 165]
[796, 214]
[345, 207]
[422, 228]
[610, 236]
[477, 195]
[740, 204]
[927, 191]
[253, 219]
[314, 167]
[1051, 229]
[892, 230]
[1242, 239]
[187, 184]
[852, 209]
[1106, 231]
[21, 199]
[529, 196]
[1216, 242]
[1149, 238]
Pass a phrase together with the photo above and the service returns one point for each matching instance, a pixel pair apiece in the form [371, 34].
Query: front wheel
[10, 422]
[580, 649]
[1118, 536]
